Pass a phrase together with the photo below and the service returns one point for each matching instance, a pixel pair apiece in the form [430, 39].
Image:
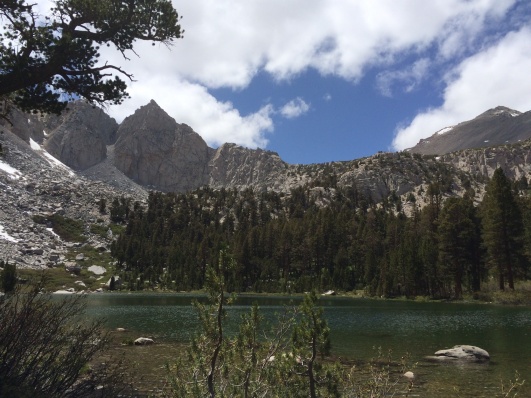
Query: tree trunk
[500, 278]
[458, 280]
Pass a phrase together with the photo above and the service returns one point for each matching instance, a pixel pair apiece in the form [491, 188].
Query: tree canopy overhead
[47, 59]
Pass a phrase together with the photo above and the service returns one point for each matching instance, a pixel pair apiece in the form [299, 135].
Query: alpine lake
[359, 327]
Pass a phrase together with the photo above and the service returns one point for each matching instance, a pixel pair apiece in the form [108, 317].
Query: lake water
[360, 325]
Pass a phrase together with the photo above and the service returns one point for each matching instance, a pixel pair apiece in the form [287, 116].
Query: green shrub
[67, 228]
[45, 350]
[8, 277]
[98, 229]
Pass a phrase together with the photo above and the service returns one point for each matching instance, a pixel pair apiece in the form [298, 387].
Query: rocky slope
[514, 159]
[156, 152]
[496, 126]
[33, 183]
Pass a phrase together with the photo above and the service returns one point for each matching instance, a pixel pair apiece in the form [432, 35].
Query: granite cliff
[155, 151]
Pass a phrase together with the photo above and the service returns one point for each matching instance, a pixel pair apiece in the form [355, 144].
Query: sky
[330, 80]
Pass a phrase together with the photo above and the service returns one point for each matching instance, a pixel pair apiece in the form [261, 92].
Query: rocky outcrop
[91, 116]
[79, 137]
[380, 175]
[461, 353]
[236, 166]
[26, 126]
[515, 160]
[155, 151]
[79, 148]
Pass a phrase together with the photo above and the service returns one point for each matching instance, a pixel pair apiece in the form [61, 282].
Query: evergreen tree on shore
[502, 229]
[294, 243]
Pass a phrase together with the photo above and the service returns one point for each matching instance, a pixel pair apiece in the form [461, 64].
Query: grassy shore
[58, 279]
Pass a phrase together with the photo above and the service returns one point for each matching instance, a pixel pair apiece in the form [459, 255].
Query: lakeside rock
[65, 291]
[409, 375]
[461, 353]
[144, 341]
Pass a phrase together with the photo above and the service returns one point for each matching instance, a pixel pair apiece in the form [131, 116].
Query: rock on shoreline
[461, 353]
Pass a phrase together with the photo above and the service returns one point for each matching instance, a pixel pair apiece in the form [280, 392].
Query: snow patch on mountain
[12, 173]
[6, 236]
[445, 130]
[53, 161]
[511, 112]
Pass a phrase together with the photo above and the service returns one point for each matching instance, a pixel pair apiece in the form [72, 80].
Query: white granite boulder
[65, 291]
[97, 269]
[461, 353]
[144, 341]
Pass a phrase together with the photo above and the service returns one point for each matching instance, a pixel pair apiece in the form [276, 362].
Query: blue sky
[343, 121]
[326, 80]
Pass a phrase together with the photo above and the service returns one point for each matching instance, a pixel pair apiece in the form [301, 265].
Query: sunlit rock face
[157, 152]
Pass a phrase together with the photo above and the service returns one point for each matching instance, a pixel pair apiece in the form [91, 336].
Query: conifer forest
[290, 243]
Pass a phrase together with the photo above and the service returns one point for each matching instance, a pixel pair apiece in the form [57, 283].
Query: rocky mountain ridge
[497, 126]
[154, 151]
[149, 150]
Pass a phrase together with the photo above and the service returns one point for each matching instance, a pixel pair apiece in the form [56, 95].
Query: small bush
[512, 297]
[45, 349]
[8, 277]
[116, 229]
[100, 230]
[67, 228]
[39, 219]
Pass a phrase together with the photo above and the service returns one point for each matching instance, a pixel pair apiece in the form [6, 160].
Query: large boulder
[461, 353]
[97, 269]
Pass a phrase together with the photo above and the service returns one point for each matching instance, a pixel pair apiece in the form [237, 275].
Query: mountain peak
[152, 103]
[497, 126]
[500, 110]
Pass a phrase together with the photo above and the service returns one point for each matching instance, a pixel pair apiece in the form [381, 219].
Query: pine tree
[311, 339]
[458, 240]
[502, 228]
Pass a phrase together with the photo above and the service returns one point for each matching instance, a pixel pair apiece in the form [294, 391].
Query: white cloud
[498, 75]
[409, 78]
[217, 122]
[227, 43]
[295, 108]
